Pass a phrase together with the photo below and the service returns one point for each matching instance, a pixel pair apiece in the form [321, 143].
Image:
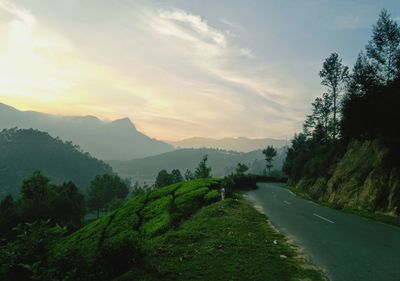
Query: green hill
[179, 232]
[24, 151]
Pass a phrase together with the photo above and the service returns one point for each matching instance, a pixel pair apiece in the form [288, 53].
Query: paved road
[347, 247]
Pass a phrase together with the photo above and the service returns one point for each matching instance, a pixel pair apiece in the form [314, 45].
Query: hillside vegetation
[361, 179]
[348, 154]
[179, 232]
[222, 162]
[23, 151]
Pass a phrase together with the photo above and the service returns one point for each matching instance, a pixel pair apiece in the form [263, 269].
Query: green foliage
[334, 76]
[241, 169]
[120, 237]
[384, 48]
[164, 178]
[161, 234]
[360, 170]
[36, 187]
[189, 175]
[27, 150]
[212, 196]
[203, 171]
[188, 202]
[228, 240]
[103, 189]
[25, 258]
[270, 153]
[62, 205]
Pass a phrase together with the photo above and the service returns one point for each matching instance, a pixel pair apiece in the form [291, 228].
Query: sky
[180, 68]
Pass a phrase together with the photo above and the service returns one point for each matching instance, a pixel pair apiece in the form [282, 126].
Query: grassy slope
[178, 233]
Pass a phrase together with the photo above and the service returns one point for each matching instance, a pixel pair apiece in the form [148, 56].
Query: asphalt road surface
[347, 247]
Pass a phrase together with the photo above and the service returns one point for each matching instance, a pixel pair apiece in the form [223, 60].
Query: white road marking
[322, 218]
[286, 202]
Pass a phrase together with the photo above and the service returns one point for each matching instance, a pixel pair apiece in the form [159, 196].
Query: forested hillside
[349, 151]
[222, 162]
[24, 151]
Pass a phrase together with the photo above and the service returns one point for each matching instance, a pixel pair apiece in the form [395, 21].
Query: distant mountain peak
[6, 107]
[124, 122]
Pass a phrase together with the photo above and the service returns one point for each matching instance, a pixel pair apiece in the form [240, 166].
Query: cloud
[20, 14]
[172, 72]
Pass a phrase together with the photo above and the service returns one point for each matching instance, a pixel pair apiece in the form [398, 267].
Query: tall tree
[189, 175]
[317, 124]
[203, 171]
[163, 179]
[334, 76]
[384, 47]
[36, 187]
[241, 169]
[103, 189]
[364, 77]
[270, 153]
[176, 176]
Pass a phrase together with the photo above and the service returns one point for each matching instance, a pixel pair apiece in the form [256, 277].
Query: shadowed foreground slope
[179, 232]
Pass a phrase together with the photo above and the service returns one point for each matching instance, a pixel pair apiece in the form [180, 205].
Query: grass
[180, 232]
[228, 240]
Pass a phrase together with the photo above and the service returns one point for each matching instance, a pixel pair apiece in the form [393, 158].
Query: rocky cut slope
[363, 178]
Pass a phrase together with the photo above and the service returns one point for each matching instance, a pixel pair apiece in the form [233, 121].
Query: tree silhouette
[202, 171]
[384, 47]
[334, 76]
[103, 189]
[270, 153]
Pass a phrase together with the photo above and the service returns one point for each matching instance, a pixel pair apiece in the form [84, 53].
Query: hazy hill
[237, 144]
[222, 162]
[24, 151]
[116, 140]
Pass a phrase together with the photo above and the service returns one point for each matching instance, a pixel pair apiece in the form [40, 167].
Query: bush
[212, 196]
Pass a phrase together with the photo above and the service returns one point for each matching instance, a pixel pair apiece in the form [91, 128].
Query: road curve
[346, 246]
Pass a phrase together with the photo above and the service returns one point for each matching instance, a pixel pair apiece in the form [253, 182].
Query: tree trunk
[334, 114]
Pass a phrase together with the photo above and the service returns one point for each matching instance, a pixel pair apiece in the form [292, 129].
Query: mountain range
[237, 144]
[222, 162]
[114, 140]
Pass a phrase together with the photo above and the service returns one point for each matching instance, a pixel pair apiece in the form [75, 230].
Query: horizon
[133, 123]
[237, 68]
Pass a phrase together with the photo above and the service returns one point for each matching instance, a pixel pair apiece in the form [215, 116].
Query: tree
[189, 175]
[241, 169]
[69, 206]
[334, 76]
[364, 77]
[6, 204]
[270, 153]
[202, 171]
[163, 179]
[176, 176]
[317, 125]
[35, 187]
[384, 47]
[103, 189]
